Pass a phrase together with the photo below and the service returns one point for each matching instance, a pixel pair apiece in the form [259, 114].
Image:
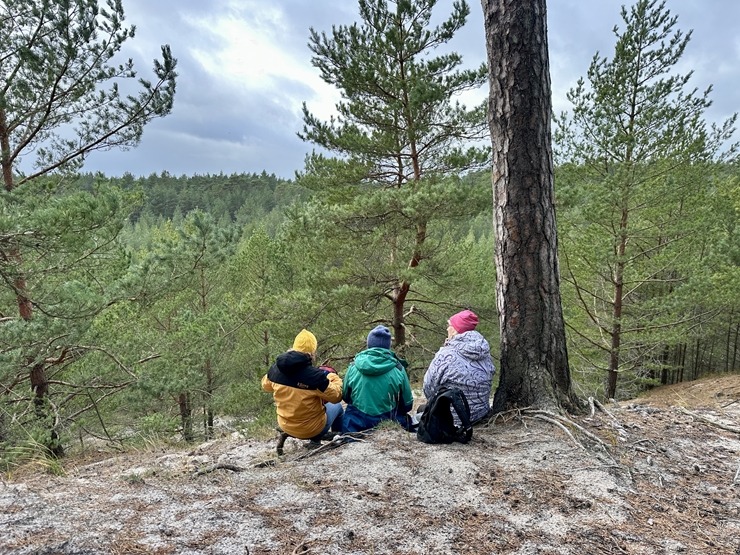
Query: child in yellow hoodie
[307, 398]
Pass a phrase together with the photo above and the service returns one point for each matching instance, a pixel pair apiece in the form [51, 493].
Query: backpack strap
[460, 404]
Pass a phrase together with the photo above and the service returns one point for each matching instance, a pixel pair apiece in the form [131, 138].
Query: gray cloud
[222, 125]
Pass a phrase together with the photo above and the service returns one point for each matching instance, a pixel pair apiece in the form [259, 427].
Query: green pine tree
[401, 139]
[635, 192]
[59, 101]
[192, 315]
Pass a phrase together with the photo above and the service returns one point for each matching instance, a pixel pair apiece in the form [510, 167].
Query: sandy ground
[658, 475]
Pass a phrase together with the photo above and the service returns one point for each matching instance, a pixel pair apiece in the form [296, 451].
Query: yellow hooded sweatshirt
[300, 390]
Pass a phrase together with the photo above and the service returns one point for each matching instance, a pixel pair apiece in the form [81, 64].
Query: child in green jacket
[376, 386]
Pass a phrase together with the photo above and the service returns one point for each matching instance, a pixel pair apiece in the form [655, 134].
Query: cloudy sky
[245, 70]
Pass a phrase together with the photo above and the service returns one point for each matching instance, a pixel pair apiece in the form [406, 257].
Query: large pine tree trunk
[534, 359]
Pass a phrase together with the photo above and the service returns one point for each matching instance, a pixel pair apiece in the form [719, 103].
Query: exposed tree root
[595, 404]
[505, 416]
[571, 429]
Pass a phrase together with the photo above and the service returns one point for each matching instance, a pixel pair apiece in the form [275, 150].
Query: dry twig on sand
[336, 442]
[302, 548]
[711, 421]
[219, 466]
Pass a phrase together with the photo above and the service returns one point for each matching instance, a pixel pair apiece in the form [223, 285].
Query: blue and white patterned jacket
[465, 362]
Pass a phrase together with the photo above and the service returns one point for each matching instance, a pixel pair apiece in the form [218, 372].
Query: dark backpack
[437, 425]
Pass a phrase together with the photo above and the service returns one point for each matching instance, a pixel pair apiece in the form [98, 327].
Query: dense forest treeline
[254, 200]
[191, 305]
[241, 198]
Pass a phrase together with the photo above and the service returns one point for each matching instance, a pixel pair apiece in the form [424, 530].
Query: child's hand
[328, 369]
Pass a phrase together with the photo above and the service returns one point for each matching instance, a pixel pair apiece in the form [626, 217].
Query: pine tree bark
[37, 375]
[534, 358]
[186, 416]
[727, 343]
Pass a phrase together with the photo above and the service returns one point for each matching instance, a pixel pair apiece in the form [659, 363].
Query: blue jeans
[334, 414]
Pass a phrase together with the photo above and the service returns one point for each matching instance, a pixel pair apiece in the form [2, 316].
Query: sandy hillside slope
[658, 475]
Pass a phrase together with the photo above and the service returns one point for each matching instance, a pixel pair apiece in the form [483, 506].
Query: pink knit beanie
[464, 321]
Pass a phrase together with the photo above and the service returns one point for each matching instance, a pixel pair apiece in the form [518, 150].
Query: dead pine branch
[266, 463]
[616, 544]
[336, 442]
[644, 440]
[711, 421]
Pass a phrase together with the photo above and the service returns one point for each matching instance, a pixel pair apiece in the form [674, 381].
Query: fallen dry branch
[334, 443]
[266, 463]
[711, 421]
[596, 404]
[219, 466]
[301, 548]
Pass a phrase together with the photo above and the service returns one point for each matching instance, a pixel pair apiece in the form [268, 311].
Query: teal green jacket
[376, 385]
